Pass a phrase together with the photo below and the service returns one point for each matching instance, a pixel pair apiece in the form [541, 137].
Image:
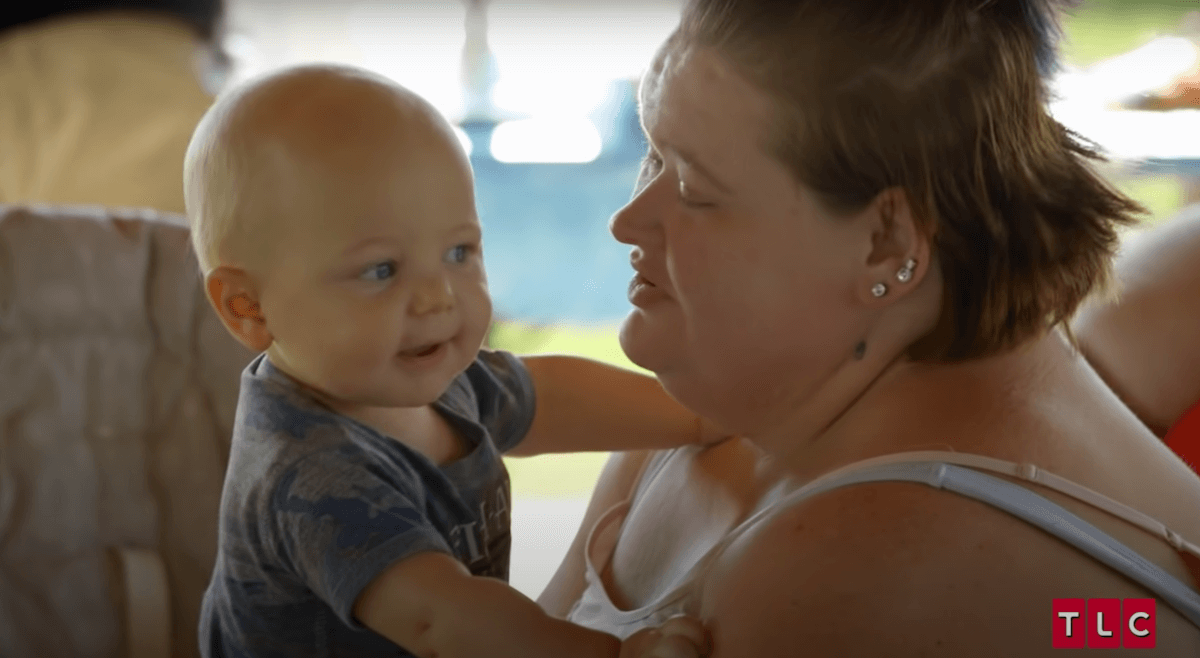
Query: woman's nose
[432, 294]
[638, 222]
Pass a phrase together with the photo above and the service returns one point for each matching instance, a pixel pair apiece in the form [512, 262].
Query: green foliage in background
[1099, 29]
[1162, 196]
[558, 476]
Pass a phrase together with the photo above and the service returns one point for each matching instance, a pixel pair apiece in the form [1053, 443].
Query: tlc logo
[1104, 623]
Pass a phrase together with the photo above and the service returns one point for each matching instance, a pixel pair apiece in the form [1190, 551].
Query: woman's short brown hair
[947, 100]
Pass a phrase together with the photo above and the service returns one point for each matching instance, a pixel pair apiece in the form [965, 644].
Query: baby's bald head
[263, 146]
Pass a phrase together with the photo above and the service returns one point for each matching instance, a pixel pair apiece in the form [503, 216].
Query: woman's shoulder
[823, 570]
[865, 531]
[895, 568]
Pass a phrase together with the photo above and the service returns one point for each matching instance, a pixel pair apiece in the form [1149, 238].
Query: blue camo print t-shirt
[316, 505]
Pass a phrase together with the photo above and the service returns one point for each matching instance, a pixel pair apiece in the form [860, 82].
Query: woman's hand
[679, 637]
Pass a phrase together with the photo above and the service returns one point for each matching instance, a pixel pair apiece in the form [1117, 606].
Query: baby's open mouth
[422, 351]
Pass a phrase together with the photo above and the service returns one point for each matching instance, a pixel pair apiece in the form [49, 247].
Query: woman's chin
[641, 343]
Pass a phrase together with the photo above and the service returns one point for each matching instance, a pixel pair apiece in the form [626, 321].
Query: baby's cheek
[478, 303]
[347, 331]
[364, 339]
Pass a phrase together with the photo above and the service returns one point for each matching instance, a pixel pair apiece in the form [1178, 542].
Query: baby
[366, 506]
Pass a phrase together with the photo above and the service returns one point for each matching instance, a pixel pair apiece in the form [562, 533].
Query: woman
[858, 233]
[100, 98]
[1144, 342]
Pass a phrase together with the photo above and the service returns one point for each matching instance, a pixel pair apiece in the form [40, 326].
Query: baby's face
[376, 294]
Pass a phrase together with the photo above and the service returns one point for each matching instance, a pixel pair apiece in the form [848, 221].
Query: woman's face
[745, 297]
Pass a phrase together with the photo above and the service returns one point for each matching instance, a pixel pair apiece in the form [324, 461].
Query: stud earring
[906, 272]
[879, 290]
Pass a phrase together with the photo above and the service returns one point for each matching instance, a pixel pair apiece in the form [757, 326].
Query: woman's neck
[904, 405]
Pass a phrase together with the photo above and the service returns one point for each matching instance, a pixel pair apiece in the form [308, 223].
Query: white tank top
[596, 610]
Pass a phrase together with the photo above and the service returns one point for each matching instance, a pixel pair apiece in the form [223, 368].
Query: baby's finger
[687, 627]
[676, 646]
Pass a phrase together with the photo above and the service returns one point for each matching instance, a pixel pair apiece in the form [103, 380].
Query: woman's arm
[1144, 344]
[617, 481]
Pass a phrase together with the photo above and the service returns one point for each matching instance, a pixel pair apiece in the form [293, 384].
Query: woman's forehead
[694, 94]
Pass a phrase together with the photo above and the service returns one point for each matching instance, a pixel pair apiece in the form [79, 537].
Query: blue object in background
[1188, 167]
[549, 254]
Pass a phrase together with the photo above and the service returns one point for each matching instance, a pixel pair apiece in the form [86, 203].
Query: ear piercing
[903, 275]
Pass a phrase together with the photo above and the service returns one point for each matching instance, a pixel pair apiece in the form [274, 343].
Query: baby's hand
[679, 637]
[708, 433]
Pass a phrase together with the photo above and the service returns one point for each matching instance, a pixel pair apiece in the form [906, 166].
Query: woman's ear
[900, 249]
[235, 298]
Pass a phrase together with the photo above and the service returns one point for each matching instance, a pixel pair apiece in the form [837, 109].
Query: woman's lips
[642, 291]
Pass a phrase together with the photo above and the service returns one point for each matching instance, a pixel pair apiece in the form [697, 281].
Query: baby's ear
[235, 298]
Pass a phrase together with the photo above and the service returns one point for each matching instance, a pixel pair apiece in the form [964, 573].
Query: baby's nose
[433, 294]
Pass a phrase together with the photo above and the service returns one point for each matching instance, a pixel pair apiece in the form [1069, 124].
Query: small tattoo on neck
[860, 350]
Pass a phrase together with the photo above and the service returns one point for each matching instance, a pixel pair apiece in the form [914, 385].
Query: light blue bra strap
[1033, 508]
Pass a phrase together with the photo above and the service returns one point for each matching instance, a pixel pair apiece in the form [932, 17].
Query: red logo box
[1070, 625]
[1103, 623]
[1139, 623]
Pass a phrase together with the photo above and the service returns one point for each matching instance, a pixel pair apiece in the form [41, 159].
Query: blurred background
[543, 94]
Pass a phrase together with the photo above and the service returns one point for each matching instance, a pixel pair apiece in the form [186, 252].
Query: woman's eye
[460, 253]
[651, 164]
[690, 200]
[380, 271]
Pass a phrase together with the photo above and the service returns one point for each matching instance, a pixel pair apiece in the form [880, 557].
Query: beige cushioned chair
[118, 387]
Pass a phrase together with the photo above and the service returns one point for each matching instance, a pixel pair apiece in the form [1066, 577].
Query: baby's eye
[460, 253]
[380, 271]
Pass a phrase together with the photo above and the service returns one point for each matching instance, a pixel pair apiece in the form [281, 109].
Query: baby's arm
[585, 405]
[433, 607]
